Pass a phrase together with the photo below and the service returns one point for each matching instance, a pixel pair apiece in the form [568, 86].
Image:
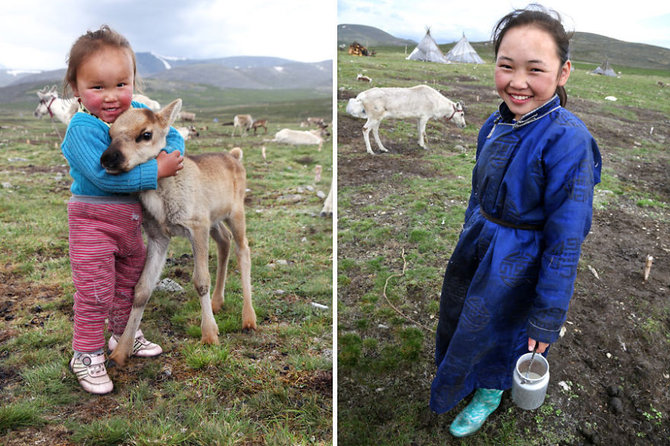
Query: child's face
[528, 69]
[105, 83]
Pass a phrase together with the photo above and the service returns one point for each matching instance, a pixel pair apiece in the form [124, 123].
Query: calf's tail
[236, 153]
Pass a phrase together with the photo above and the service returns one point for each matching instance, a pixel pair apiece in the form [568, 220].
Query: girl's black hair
[547, 20]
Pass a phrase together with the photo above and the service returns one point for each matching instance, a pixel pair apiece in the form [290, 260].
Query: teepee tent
[605, 69]
[463, 52]
[427, 50]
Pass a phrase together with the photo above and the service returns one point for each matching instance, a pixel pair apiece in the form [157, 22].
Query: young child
[105, 217]
[508, 284]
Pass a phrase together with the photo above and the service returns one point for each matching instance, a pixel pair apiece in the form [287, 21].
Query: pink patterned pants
[107, 257]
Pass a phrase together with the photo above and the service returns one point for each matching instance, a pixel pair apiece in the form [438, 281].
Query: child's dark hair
[89, 43]
[547, 20]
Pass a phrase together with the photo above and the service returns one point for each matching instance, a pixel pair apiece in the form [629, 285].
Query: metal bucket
[529, 387]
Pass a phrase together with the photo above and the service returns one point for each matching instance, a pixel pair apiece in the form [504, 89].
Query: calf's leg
[157, 245]
[237, 226]
[221, 236]
[199, 237]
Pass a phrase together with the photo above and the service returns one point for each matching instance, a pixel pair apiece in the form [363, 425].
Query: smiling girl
[510, 279]
[104, 214]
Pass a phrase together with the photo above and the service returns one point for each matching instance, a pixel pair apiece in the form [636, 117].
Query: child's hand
[541, 346]
[169, 163]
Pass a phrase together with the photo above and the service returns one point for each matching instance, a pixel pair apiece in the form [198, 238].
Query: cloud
[647, 22]
[43, 32]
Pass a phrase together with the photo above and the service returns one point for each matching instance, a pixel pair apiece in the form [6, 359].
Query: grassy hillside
[289, 105]
[368, 36]
[596, 48]
[585, 47]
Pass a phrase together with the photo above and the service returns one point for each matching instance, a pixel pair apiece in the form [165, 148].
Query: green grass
[271, 386]
[20, 414]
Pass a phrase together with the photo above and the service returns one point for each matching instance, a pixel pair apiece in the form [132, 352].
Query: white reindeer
[186, 116]
[327, 209]
[244, 122]
[188, 132]
[318, 122]
[421, 102]
[301, 137]
[64, 109]
[153, 105]
[50, 104]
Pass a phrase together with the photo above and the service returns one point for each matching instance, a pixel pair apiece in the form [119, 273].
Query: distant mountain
[368, 36]
[281, 76]
[595, 48]
[585, 47]
[227, 72]
[8, 76]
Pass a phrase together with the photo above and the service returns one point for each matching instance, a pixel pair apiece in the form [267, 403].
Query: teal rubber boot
[471, 419]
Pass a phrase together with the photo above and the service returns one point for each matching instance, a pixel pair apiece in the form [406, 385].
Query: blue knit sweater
[85, 140]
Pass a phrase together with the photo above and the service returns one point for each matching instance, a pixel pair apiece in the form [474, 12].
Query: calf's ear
[170, 112]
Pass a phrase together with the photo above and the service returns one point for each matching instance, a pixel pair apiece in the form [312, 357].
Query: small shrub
[412, 343]
[350, 349]
[109, 432]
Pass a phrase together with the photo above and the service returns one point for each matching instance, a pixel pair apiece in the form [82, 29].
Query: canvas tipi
[427, 51]
[463, 53]
[605, 69]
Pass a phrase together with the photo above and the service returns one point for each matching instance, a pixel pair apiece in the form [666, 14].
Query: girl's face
[528, 69]
[105, 83]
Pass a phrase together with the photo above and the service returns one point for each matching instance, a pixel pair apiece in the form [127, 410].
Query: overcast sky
[38, 34]
[641, 21]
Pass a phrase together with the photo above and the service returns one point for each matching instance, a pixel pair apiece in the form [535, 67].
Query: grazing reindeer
[244, 122]
[319, 122]
[208, 191]
[185, 116]
[260, 123]
[362, 78]
[421, 101]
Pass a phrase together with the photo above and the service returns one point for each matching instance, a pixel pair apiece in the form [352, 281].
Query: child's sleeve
[572, 167]
[84, 144]
[174, 141]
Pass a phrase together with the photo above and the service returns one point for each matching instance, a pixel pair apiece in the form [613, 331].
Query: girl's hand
[541, 346]
[169, 163]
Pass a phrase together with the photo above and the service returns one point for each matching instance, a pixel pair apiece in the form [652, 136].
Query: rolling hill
[586, 47]
[210, 76]
[227, 72]
[368, 36]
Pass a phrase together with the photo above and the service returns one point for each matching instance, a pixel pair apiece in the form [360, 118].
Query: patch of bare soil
[613, 362]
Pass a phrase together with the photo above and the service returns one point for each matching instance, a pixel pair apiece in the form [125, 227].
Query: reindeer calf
[258, 123]
[207, 192]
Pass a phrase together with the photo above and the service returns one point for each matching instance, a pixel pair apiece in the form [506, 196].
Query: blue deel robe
[505, 284]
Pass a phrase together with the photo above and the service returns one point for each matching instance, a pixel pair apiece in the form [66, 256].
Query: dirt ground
[614, 354]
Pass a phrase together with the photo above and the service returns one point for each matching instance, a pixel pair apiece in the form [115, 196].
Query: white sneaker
[91, 373]
[141, 348]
